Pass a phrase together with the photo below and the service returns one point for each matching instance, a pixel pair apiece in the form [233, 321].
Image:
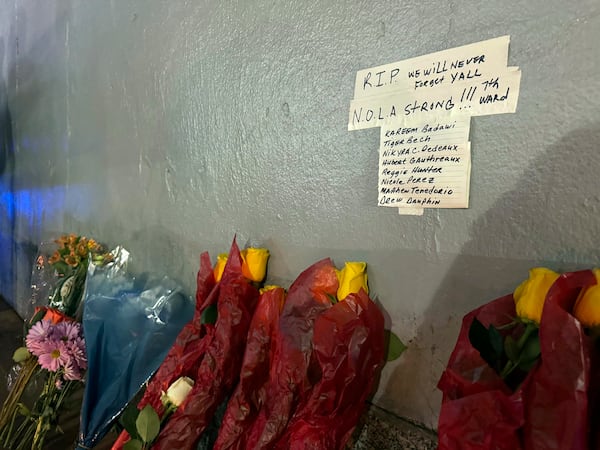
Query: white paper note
[423, 106]
[495, 95]
[425, 164]
[441, 69]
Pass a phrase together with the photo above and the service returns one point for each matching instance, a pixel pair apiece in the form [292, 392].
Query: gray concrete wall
[169, 126]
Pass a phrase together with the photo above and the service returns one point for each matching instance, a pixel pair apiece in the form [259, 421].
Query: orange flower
[82, 249]
[53, 315]
[61, 241]
[93, 245]
[54, 258]
[72, 240]
[72, 260]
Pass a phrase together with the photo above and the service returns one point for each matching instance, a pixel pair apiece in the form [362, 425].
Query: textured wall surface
[170, 126]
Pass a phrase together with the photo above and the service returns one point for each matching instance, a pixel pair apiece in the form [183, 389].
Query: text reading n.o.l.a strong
[496, 95]
[472, 79]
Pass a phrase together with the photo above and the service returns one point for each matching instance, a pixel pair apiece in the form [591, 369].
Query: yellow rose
[587, 306]
[220, 266]
[530, 295]
[254, 263]
[351, 279]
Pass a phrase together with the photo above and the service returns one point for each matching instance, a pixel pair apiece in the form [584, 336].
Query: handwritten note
[425, 164]
[472, 78]
[424, 107]
[481, 59]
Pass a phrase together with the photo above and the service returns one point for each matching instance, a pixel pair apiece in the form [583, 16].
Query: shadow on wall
[551, 218]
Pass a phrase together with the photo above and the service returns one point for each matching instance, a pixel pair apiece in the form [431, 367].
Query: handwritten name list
[425, 164]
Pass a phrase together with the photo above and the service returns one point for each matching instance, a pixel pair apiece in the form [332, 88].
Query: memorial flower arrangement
[53, 359]
[208, 353]
[58, 350]
[130, 320]
[70, 263]
[324, 336]
[525, 365]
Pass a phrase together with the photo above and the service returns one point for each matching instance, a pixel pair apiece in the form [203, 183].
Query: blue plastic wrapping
[129, 324]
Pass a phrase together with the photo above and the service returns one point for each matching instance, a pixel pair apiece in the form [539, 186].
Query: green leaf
[209, 315]
[36, 318]
[61, 267]
[512, 349]
[23, 410]
[332, 298]
[148, 424]
[395, 347]
[133, 444]
[485, 342]
[21, 354]
[128, 419]
[496, 341]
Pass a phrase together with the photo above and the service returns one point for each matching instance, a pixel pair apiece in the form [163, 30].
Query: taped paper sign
[482, 59]
[425, 164]
[472, 77]
[424, 107]
[495, 95]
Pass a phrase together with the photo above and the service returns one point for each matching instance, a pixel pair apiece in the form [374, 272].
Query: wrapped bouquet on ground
[53, 361]
[273, 369]
[523, 373]
[129, 324]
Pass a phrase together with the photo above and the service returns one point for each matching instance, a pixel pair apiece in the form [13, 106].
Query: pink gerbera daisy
[53, 356]
[66, 331]
[71, 371]
[37, 336]
[77, 352]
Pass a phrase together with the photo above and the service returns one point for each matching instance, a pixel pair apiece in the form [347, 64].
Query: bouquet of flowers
[328, 350]
[523, 372]
[250, 393]
[53, 359]
[129, 324]
[291, 368]
[213, 361]
[56, 347]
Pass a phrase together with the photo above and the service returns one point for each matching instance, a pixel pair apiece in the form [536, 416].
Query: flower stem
[16, 392]
[512, 365]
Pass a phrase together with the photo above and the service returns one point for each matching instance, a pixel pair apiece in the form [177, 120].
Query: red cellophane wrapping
[290, 380]
[550, 410]
[348, 345]
[249, 395]
[220, 367]
[187, 351]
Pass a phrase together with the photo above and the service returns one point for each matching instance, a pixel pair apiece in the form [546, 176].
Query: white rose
[178, 391]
